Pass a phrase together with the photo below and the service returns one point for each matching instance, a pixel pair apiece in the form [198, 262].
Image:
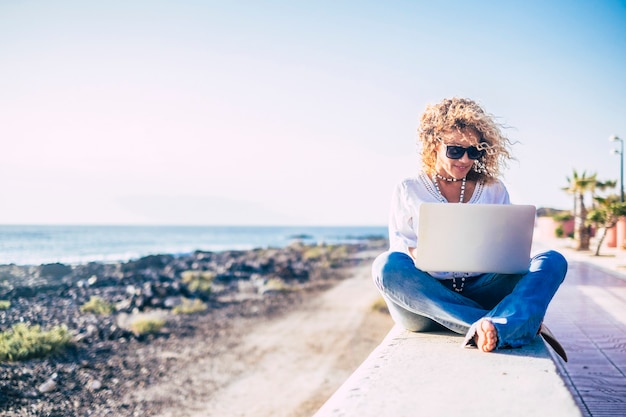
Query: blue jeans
[515, 304]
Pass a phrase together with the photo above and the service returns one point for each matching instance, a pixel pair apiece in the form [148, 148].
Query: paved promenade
[588, 316]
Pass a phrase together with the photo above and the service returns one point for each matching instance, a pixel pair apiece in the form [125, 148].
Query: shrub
[562, 216]
[147, 326]
[340, 252]
[5, 304]
[198, 281]
[190, 306]
[326, 255]
[380, 305]
[275, 284]
[97, 305]
[314, 253]
[559, 231]
[25, 342]
[338, 255]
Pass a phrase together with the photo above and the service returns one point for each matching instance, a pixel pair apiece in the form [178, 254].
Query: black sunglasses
[457, 152]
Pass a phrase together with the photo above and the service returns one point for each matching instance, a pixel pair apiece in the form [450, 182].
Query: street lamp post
[621, 164]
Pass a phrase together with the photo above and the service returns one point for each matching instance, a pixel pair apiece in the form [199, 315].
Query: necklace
[461, 196]
[441, 177]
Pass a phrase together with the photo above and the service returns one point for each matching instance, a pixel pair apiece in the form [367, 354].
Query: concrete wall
[430, 374]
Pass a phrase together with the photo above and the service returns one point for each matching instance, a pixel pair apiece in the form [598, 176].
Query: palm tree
[571, 190]
[579, 185]
[602, 186]
[606, 215]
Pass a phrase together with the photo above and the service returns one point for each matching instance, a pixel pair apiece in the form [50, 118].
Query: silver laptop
[475, 237]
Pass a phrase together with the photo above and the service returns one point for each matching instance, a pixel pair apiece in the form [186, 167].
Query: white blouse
[412, 192]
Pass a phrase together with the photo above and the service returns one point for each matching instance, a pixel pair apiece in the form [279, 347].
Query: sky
[289, 112]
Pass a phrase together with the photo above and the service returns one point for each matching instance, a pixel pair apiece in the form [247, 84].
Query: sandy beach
[287, 366]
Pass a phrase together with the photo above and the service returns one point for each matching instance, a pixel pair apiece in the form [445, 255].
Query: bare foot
[486, 336]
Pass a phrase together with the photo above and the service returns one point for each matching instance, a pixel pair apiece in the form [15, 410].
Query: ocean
[34, 245]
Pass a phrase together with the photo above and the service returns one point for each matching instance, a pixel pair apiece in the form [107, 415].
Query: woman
[463, 150]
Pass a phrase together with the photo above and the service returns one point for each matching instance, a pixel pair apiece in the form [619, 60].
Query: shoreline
[106, 362]
[75, 244]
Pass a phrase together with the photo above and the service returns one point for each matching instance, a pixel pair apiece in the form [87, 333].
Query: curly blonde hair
[462, 114]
